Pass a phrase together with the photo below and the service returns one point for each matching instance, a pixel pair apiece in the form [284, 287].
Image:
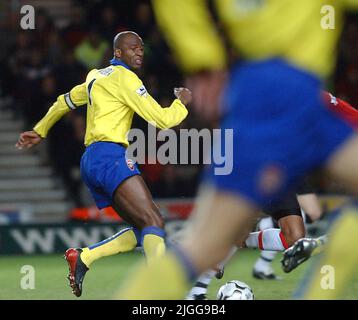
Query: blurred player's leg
[338, 263]
[311, 206]
[343, 166]
[263, 265]
[200, 288]
[227, 217]
[288, 213]
[308, 199]
[262, 270]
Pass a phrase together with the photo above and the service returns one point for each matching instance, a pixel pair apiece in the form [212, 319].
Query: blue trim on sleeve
[116, 62]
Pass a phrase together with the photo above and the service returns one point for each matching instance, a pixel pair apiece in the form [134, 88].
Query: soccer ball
[235, 290]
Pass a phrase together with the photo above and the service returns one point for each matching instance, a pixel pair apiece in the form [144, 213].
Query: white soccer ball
[235, 290]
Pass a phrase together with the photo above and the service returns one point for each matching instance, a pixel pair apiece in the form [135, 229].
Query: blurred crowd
[38, 65]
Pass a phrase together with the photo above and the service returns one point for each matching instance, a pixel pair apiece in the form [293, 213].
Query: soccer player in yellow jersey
[112, 96]
[272, 102]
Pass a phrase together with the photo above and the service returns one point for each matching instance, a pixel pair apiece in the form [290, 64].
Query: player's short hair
[120, 36]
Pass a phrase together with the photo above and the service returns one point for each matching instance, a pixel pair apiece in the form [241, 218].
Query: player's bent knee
[343, 165]
[150, 218]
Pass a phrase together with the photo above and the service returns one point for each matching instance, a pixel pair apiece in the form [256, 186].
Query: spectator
[76, 31]
[69, 72]
[92, 50]
[110, 24]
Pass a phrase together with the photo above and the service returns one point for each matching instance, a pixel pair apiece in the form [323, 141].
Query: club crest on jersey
[142, 91]
[130, 164]
[333, 99]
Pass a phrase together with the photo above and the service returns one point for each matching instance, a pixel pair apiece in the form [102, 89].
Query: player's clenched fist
[183, 94]
[28, 139]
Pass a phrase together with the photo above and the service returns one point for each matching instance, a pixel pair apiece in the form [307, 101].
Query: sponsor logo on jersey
[142, 91]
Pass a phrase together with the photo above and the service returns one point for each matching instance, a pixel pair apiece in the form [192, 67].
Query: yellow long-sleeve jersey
[303, 32]
[112, 96]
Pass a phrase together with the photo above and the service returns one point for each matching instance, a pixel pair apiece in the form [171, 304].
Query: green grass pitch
[106, 275]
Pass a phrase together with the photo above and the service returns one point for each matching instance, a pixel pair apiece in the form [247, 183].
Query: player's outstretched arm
[169, 117]
[28, 139]
[64, 103]
[183, 94]
[134, 95]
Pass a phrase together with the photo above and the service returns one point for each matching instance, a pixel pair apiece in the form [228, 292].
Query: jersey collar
[116, 62]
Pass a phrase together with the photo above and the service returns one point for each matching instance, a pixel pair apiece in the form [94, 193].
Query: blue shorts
[281, 129]
[103, 168]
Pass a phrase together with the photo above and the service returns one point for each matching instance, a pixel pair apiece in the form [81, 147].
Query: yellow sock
[153, 242]
[339, 261]
[153, 247]
[164, 278]
[123, 241]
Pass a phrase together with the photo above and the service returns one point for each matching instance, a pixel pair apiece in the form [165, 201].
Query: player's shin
[269, 239]
[200, 288]
[123, 241]
[166, 278]
[264, 262]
